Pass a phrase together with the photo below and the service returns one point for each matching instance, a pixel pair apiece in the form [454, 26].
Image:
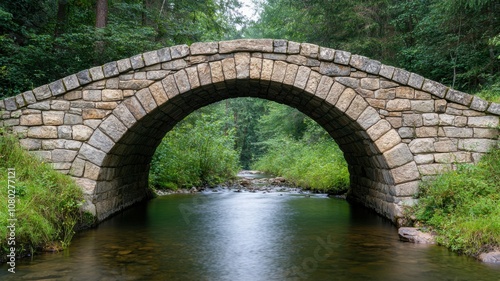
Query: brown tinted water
[248, 236]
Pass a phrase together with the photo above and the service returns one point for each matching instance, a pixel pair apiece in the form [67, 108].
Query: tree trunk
[101, 18]
[62, 17]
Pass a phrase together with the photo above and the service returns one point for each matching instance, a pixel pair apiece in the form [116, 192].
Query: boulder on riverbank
[414, 235]
[491, 257]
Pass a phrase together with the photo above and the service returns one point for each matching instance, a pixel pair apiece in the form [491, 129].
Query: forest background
[455, 42]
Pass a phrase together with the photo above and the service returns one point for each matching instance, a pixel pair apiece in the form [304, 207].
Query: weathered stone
[385, 94]
[342, 57]
[490, 257]
[406, 132]
[31, 120]
[248, 45]
[137, 61]
[31, 144]
[92, 154]
[57, 88]
[53, 117]
[42, 92]
[478, 104]
[358, 62]
[434, 169]
[415, 81]
[434, 88]
[368, 118]
[42, 132]
[113, 128]
[92, 95]
[179, 51]
[64, 132]
[110, 69]
[388, 141]
[63, 155]
[280, 46]
[483, 121]
[62, 105]
[414, 235]
[424, 158]
[96, 73]
[458, 97]
[77, 167]
[345, 99]
[124, 65]
[293, 47]
[326, 54]
[398, 155]
[242, 61]
[82, 132]
[453, 132]
[333, 69]
[356, 107]
[406, 173]
[164, 54]
[425, 132]
[412, 120]
[146, 99]
[72, 119]
[379, 129]
[494, 108]
[204, 48]
[93, 113]
[422, 105]
[453, 157]
[370, 83]
[398, 105]
[348, 81]
[422, 145]
[151, 58]
[101, 141]
[373, 66]
[477, 145]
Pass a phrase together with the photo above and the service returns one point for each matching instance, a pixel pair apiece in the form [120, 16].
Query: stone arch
[102, 125]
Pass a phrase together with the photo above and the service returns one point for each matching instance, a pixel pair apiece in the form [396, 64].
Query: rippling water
[248, 236]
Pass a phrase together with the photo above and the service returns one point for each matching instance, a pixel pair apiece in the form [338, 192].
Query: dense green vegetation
[199, 151]
[463, 206]
[47, 205]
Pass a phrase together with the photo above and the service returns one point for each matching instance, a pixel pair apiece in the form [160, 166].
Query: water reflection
[248, 236]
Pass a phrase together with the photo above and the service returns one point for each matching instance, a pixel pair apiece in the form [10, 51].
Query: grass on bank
[47, 202]
[318, 166]
[463, 206]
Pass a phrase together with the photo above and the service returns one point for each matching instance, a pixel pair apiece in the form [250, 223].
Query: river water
[229, 235]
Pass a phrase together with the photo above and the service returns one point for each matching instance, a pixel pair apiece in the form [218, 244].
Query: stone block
[370, 83]
[425, 132]
[398, 155]
[309, 50]
[96, 73]
[406, 132]
[453, 157]
[422, 145]
[398, 105]
[146, 99]
[388, 141]
[242, 61]
[44, 156]
[368, 118]
[63, 155]
[92, 95]
[477, 145]
[113, 128]
[422, 105]
[478, 104]
[405, 189]
[101, 141]
[345, 99]
[65, 132]
[124, 65]
[458, 97]
[357, 106]
[164, 54]
[110, 69]
[179, 51]
[302, 77]
[228, 68]
[72, 119]
[42, 92]
[424, 158]
[348, 81]
[385, 94]
[435, 88]
[53, 117]
[401, 76]
[248, 45]
[91, 171]
[333, 69]
[430, 119]
[216, 72]
[93, 113]
[293, 47]
[31, 120]
[453, 132]
[124, 115]
[373, 66]
[406, 173]
[81, 132]
[485, 133]
[386, 71]
[29, 97]
[205, 48]
[31, 144]
[43, 132]
[434, 169]
[92, 154]
[494, 108]
[342, 57]
[483, 121]
[326, 54]
[416, 81]
[412, 120]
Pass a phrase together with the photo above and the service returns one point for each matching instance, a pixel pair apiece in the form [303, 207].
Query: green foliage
[319, 166]
[48, 202]
[199, 151]
[464, 206]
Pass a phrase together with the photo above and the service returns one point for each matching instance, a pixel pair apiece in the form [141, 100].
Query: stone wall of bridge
[102, 125]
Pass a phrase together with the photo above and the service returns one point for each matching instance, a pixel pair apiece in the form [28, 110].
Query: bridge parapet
[102, 125]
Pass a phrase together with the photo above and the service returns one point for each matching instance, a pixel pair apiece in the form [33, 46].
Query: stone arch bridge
[102, 125]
